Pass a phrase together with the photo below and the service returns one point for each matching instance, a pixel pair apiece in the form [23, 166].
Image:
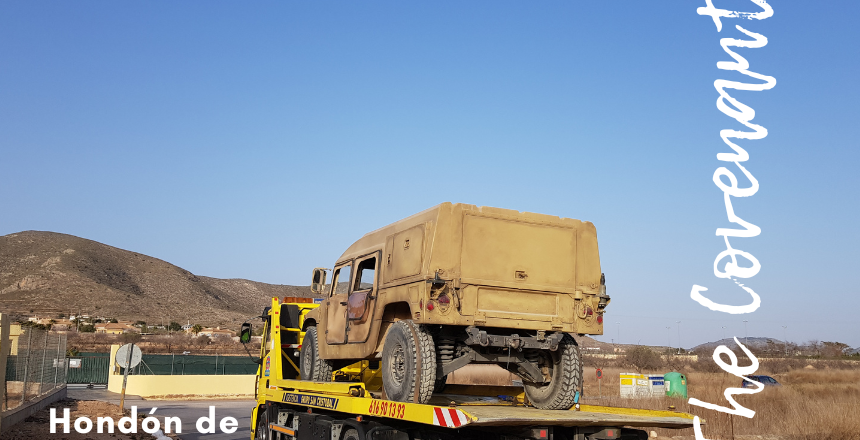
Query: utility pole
[679, 336]
[618, 327]
[724, 332]
[785, 340]
[746, 333]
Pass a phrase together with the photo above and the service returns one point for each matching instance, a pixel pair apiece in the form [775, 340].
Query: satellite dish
[122, 356]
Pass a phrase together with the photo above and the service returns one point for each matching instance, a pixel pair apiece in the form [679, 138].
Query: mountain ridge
[49, 273]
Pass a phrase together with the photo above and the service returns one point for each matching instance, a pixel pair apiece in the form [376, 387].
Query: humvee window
[366, 269]
[340, 282]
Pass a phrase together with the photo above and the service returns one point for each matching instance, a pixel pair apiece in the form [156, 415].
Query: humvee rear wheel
[564, 367]
[310, 365]
[408, 363]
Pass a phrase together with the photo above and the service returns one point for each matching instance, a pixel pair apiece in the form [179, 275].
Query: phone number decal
[387, 409]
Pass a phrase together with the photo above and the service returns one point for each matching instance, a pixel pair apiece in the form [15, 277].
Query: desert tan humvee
[459, 284]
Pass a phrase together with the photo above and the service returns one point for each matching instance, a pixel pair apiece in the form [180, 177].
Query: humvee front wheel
[408, 363]
[311, 366]
[564, 367]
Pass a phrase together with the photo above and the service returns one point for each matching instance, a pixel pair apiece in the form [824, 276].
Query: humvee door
[336, 306]
[362, 299]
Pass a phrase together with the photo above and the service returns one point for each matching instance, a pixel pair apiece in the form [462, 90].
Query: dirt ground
[38, 426]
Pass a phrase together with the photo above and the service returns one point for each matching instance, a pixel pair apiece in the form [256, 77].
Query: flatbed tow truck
[353, 407]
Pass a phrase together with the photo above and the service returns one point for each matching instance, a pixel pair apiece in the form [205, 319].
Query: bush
[202, 341]
[130, 337]
[643, 358]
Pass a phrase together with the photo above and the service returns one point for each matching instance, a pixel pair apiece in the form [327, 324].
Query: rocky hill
[47, 273]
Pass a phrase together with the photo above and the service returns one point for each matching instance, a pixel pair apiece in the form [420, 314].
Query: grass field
[819, 404]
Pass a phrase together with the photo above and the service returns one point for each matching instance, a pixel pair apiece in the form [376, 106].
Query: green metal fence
[89, 368]
[94, 368]
[166, 364]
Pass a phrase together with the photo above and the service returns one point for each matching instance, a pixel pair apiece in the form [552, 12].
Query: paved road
[188, 411]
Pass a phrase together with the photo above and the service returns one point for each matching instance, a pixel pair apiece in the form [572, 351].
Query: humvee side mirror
[245, 333]
[318, 281]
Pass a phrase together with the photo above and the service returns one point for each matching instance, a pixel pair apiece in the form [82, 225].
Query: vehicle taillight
[430, 306]
[600, 319]
[444, 300]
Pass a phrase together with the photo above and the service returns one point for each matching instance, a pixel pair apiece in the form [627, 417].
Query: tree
[834, 349]
[113, 321]
[196, 328]
[643, 358]
[174, 326]
[140, 323]
[86, 328]
[202, 341]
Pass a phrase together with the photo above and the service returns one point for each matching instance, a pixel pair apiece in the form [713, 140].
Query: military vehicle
[459, 284]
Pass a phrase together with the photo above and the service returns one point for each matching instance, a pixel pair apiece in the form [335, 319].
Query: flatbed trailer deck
[355, 409]
[349, 404]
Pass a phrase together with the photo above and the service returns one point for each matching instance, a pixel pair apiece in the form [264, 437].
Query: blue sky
[259, 140]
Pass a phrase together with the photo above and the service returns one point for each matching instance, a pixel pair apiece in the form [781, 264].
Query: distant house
[218, 331]
[115, 328]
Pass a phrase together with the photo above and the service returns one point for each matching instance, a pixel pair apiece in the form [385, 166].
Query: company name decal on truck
[387, 409]
[311, 400]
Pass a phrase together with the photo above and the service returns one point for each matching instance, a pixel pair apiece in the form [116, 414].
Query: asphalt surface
[189, 411]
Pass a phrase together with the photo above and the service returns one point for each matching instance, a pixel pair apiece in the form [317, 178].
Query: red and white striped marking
[449, 417]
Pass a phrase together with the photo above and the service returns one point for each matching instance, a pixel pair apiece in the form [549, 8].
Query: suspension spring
[444, 351]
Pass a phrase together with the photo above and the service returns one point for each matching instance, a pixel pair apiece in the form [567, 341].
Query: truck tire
[262, 432]
[351, 434]
[566, 366]
[312, 367]
[408, 363]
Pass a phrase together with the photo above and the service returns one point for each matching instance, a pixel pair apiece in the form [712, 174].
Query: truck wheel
[262, 432]
[408, 363]
[565, 368]
[312, 367]
[351, 434]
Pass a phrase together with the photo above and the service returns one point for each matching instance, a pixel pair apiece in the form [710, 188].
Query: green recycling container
[676, 384]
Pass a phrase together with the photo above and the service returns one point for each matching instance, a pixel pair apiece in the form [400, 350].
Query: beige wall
[181, 385]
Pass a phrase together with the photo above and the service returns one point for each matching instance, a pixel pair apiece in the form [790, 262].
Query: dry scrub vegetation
[821, 403]
[159, 344]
